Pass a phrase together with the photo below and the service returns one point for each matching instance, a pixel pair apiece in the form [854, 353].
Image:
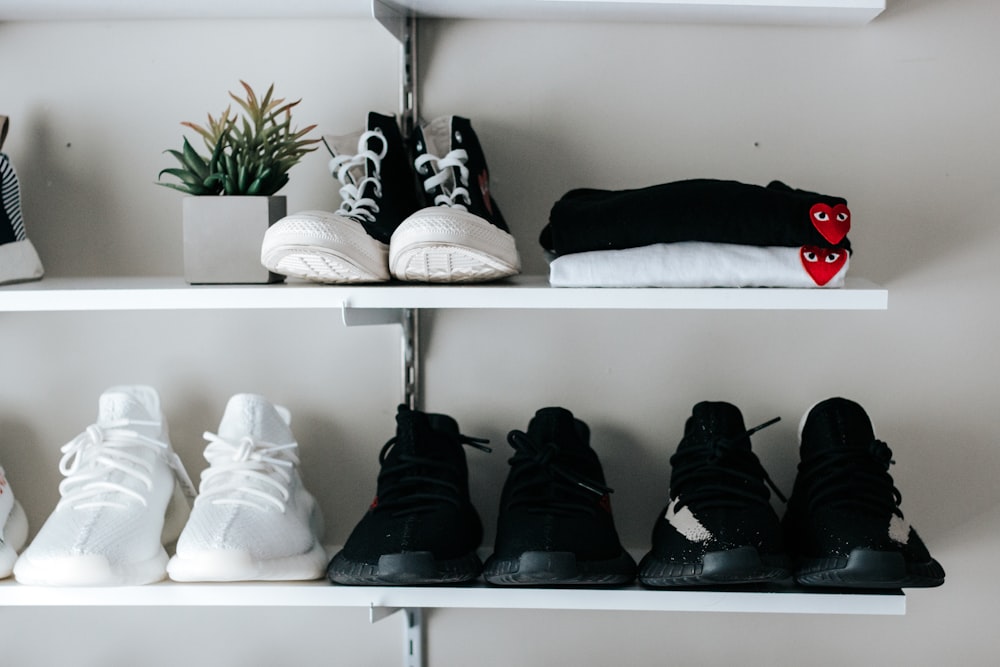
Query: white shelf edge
[774, 12]
[521, 292]
[480, 596]
[745, 12]
[75, 10]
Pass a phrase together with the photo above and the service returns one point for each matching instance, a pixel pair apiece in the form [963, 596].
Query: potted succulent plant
[233, 188]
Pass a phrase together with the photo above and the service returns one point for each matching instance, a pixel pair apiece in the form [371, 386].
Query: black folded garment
[708, 210]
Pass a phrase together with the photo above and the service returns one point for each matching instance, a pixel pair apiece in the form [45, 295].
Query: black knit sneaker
[555, 525]
[352, 245]
[719, 527]
[18, 260]
[460, 234]
[421, 528]
[843, 521]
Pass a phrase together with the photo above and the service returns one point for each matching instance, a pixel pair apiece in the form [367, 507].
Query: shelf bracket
[402, 24]
[413, 631]
[409, 321]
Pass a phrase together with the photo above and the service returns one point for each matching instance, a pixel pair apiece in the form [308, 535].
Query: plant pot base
[223, 236]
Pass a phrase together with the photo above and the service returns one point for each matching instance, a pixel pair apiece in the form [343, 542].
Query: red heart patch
[833, 222]
[822, 264]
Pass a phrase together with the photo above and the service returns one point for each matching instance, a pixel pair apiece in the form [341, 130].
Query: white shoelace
[452, 191]
[89, 459]
[247, 472]
[353, 204]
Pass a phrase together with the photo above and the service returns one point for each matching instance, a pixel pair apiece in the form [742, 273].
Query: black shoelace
[544, 480]
[853, 477]
[718, 474]
[412, 484]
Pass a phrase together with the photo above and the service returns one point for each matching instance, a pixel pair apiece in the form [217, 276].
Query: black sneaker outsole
[412, 568]
[558, 568]
[743, 565]
[867, 568]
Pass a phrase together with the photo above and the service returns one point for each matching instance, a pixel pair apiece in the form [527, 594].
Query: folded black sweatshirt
[713, 211]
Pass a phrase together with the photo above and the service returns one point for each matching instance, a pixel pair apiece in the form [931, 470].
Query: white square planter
[223, 235]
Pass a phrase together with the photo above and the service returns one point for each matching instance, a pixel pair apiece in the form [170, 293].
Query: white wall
[900, 117]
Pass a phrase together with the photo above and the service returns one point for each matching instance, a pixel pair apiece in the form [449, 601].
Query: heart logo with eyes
[833, 222]
[822, 264]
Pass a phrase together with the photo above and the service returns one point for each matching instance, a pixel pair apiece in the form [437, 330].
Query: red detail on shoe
[822, 264]
[833, 222]
[605, 503]
[484, 187]
[374, 503]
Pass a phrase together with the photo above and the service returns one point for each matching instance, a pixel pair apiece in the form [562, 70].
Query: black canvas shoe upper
[719, 526]
[422, 506]
[379, 189]
[452, 170]
[555, 501]
[843, 518]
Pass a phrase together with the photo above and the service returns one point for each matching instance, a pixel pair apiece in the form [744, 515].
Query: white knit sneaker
[13, 527]
[253, 519]
[121, 476]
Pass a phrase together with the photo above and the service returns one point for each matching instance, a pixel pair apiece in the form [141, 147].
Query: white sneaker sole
[13, 537]
[19, 262]
[324, 247]
[439, 244]
[89, 570]
[242, 566]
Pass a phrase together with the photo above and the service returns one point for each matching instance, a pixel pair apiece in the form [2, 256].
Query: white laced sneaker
[253, 519]
[120, 500]
[13, 527]
[460, 235]
[351, 245]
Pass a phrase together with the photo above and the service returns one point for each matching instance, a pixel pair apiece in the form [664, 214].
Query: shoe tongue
[559, 426]
[254, 416]
[437, 136]
[421, 433]
[347, 144]
[132, 404]
[836, 423]
[710, 421]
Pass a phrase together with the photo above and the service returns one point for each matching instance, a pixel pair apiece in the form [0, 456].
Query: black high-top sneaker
[719, 527]
[555, 525]
[421, 528]
[460, 234]
[377, 193]
[843, 521]
[18, 260]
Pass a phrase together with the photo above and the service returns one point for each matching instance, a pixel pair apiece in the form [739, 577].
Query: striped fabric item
[18, 259]
[10, 213]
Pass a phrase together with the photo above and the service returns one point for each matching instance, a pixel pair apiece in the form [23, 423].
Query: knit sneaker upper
[119, 481]
[719, 524]
[422, 501]
[555, 498]
[253, 518]
[844, 502]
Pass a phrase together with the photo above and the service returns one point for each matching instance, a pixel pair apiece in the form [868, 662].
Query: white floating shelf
[521, 292]
[480, 596]
[775, 12]
[781, 12]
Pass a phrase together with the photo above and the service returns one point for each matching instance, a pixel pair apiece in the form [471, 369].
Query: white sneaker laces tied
[90, 458]
[452, 190]
[247, 472]
[354, 203]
